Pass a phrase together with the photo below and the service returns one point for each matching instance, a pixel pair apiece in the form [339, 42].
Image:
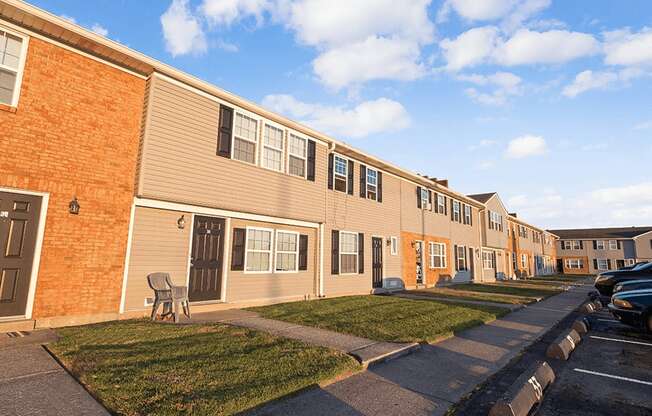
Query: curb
[388, 356]
[563, 345]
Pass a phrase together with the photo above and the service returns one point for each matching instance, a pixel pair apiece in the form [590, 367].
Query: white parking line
[622, 340]
[595, 373]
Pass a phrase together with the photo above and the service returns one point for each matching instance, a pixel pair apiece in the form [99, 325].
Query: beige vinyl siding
[643, 248]
[158, 245]
[180, 163]
[242, 287]
[495, 238]
[360, 215]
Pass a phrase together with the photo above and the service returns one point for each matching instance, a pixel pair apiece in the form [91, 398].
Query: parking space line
[622, 340]
[595, 373]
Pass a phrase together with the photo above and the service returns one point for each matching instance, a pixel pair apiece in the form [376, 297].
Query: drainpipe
[480, 230]
[321, 260]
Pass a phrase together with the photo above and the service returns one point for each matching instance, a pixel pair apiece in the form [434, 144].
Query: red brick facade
[75, 133]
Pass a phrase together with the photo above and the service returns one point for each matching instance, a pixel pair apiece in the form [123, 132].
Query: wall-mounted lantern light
[73, 206]
[181, 222]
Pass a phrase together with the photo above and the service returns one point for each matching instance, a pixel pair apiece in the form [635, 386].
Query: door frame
[382, 247]
[423, 259]
[38, 247]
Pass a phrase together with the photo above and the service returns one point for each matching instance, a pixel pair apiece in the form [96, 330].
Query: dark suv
[606, 281]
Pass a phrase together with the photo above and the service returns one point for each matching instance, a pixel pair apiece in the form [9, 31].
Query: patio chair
[168, 295]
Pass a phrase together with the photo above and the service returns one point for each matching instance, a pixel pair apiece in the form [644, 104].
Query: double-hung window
[297, 148]
[273, 148]
[524, 260]
[424, 198]
[394, 246]
[576, 245]
[437, 255]
[599, 244]
[340, 173]
[287, 251]
[258, 250]
[12, 57]
[613, 245]
[574, 263]
[441, 204]
[348, 253]
[603, 264]
[467, 214]
[372, 184]
[487, 259]
[457, 214]
[245, 138]
[461, 258]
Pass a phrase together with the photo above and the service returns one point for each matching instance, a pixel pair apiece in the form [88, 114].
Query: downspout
[480, 230]
[320, 273]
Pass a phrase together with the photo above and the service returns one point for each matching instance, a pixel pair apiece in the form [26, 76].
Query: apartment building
[117, 166]
[594, 250]
[531, 250]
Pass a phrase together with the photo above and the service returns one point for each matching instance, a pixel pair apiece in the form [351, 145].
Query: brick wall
[75, 132]
[432, 276]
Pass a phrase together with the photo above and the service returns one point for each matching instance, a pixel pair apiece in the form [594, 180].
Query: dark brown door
[206, 261]
[471, 264]
[377, 261]
[19, 216]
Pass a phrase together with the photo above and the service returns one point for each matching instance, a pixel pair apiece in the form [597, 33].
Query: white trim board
[125, 275]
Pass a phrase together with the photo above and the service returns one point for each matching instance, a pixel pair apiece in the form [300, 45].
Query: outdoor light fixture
[73, 207]
[181, 222]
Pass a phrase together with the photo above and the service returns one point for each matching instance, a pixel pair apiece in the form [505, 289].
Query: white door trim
[125, 275]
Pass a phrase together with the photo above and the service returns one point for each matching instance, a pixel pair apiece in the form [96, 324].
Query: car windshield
[644, 266]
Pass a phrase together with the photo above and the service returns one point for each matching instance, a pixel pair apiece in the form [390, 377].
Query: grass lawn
[384, 318]
[563, 277]
[141, 368]
[505, 288]
[449, 293]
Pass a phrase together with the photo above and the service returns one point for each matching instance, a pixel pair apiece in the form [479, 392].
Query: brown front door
[206, 261]
[377, 262]
[19, 215]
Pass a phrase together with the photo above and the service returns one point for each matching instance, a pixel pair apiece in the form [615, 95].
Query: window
[437, 255]
[461, 258]
[372, 184]
[341, 173]
[348, 253]
[599, 244]
[613, 245]
[457, 214]
[524, 260]
[259, 250]
[467, 214]
[287, 251]
[441, 204]
[576, 245]
[273, 148]
[603, 264]
[12, 54]
[488, 259]
[394, 246]
[629, 262]
[424, 198]
[244, 138]
[297, 155]
[574, 263]
[495, 221]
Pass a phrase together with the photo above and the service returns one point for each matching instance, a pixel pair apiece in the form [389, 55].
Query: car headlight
[622, 303]
[602, 278]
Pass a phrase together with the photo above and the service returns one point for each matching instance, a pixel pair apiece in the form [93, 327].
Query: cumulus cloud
[365, 119]
[627, 48]
[100, 30]
[600, 80]
[503, 84]
[226, 12]
[512, 13]
[645, 125]
[182, 30]
[526, 146]
[470, 48]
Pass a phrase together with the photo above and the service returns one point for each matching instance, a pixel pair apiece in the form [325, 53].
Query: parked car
[632, 285]
[606, 281]
[632, 266]
[633, 307]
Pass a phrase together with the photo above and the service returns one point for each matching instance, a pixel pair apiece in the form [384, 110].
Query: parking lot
[608, 373]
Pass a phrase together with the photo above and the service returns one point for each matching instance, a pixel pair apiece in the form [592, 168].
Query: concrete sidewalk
[432, 379]
[366, 351]
[33, 383]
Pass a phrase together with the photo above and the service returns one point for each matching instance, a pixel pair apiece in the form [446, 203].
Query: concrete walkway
[366, 351]
[33, 383]
[432, 379]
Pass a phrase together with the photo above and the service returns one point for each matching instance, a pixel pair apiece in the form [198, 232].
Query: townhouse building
[594, 250]
[117, 166]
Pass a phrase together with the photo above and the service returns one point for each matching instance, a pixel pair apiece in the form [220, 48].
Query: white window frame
[630, 262]
[441, 203]
[425, 198]
[368, 185]
[393, 246]
[264, 145]
[305, 158]
[604, 262]
[346, 172]
[277, 251]
[271, 251]
[465, 258]
[457, 211]
[576, 245]
[487, 260]
[599, 245]
[574, 264]
[441, 256]
[613, 246]
[256, 143]
[468, 214]
[21, 65]
[356, 252]
[524, 260]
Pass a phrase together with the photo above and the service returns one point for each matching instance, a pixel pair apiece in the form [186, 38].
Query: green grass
[384, 318]
[141, 368]
[462, 295]
[563, 277]
[505, 288]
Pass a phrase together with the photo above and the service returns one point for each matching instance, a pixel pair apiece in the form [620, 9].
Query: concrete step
[15, 326]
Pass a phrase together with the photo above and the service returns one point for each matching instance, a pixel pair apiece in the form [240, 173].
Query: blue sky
[545, 101]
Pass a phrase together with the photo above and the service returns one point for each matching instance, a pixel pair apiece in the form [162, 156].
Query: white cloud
[366, 118]
[100, 30]
[476, 10]
[505, 84]
[68, 18]
[182, 30]
[526, 146]
[623, 47]
[522, 12]
[483, 144]
[470, 48]
[641, 192]
[371, 59]
[645, 125]
[590, 80]
[226, 12]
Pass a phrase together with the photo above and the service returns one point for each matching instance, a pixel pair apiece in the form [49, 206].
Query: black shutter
[350, 177]
[380, 186]
[363, 181]
[445, 205]
[225, 131]
[581, 245]
[330, 170]
[595, 244]
[303, 252]
[471, 217]
[493, 256]
[430, 198]
[609, 264]
[452, 210]
[419, 198]
[619, 244]
[455, 257]
[435, 199]
[595, 264]
[311, 160]
[335, 252]
[491, 225]
[238, 251]
[360, 253]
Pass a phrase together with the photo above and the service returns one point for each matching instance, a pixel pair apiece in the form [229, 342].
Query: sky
[547, 102]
